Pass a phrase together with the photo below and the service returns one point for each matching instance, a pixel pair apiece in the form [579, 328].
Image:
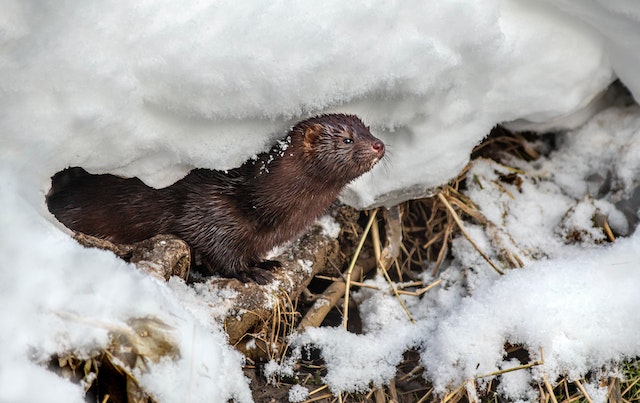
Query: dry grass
[421, 231]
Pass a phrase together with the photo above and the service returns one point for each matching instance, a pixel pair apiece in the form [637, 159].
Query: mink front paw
[255, 274]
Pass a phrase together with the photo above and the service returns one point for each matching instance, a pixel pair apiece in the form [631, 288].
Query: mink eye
[347, 141]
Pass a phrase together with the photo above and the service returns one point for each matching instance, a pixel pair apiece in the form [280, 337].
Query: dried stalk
[455, 216]
[519, 367]
[549, 388]
[321, 307]
[382, 266]
[583, 391]
[345, 315]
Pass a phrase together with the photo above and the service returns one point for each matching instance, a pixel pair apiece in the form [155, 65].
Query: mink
[230, 218]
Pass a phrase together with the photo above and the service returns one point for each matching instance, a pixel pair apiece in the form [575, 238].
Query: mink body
[233, 218]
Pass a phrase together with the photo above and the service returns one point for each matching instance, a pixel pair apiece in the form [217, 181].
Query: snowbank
[155, 88]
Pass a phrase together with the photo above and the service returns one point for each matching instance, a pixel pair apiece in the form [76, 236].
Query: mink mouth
[366, 166]
[376, 159]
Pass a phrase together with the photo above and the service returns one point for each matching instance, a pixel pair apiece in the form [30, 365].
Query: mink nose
[378, 146]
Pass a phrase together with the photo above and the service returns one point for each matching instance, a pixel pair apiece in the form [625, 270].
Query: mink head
[338, 146]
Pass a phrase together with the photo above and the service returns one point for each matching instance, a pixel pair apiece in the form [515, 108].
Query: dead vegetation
[398, 244]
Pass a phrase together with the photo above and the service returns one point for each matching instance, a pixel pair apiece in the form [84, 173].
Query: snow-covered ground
[574, 299]
[155, 88]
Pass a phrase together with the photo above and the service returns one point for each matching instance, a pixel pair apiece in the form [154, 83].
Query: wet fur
[231, 218]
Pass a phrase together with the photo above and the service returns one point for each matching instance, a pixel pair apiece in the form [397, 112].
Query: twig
[321, 388]
[345, 314]
[455, 393]
[624, 392]
[325, 302]
[583, 390]
[443, 249]
[455, 216]
[393, 392]
[415, 293]
[317, 398]
[378, 395]
[607, 230]
[367, 285]
[433, 239]
[549, 389]
[424, 289]
[614, 391]
[426, 396]
[532, 364]
[412, 373]
[375, 234]
[519, 367]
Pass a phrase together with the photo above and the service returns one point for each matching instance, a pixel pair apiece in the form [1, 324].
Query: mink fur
[233, 218]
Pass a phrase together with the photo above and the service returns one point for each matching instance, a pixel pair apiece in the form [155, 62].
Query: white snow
[298, 393]
[575, 302]
[329, 225]
[154, 88]
[57, 298]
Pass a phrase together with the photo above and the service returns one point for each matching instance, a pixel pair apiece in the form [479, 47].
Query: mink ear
[311, 133]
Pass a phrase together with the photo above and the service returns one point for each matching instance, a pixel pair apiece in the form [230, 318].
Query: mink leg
[255, 274]
[259, 271]
[255, 271]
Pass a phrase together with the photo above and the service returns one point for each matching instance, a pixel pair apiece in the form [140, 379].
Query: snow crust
[154, 88]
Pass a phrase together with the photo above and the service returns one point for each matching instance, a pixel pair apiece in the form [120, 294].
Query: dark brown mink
[231, 218]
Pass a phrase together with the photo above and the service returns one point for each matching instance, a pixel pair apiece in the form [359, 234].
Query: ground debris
[162, 256]
[109, 375]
